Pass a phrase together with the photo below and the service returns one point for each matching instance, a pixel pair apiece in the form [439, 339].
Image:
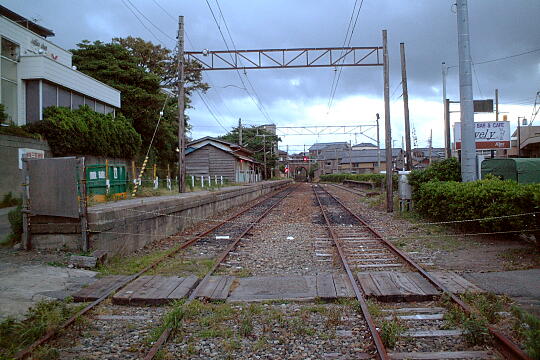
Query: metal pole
[181, 125]
[447, 141]
[519, 138]
[468, 145]
[264, 154]
[408, 163]
[387, 127]
[446, 116]
[430, 144]
[83, 206]
[378, 144]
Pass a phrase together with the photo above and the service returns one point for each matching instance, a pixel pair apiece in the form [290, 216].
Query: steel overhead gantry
[287, 58]
[326, 130]
[209, 60]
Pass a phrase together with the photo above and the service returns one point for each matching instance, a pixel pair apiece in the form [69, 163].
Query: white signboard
[29, 154]
[488, 135]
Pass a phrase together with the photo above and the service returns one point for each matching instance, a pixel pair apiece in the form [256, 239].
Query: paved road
[522, 285]
[21, 286]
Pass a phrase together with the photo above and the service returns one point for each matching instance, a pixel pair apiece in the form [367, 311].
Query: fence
[247, 176]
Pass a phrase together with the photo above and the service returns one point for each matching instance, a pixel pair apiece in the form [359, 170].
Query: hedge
[455, 201]
[377, 179]
[86, 132]
[445, 170]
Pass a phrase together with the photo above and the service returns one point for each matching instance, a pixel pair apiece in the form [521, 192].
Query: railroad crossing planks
[293, 288]
[410, 286]
[215, 288]
[396, 286]
[145, 290]
[455, 283]
[99, 288]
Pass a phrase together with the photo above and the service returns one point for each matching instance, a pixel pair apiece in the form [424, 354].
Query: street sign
[483, 105]
[488, 135]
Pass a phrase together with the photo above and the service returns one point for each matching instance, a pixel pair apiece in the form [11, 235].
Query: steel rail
[52, 333]
[504, 344]
[381, 350]
[167, 332]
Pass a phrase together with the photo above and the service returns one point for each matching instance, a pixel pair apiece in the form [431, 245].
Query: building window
[64, 98]
[90, 102]
[77, 100]
[32, 101]
[9, 55]
[49, 95]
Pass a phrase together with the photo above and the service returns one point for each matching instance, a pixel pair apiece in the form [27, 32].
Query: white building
[35, 74]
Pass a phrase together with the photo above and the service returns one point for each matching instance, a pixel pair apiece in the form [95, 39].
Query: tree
[253, 139]
[140, 70]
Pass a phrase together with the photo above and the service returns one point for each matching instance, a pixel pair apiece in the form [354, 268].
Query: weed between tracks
[240, 329]
[16, 335]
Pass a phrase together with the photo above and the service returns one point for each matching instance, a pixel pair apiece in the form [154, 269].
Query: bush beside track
[439, 195]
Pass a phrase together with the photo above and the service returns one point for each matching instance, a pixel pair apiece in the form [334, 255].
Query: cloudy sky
[300, 97]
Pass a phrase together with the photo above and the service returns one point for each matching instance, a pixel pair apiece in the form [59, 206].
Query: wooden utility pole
[430, 144]
[496, 104]
[408, 163]
[181, 124]
[240, 131]
[387, 127]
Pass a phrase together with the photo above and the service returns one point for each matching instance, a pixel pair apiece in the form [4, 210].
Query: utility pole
[240, 131]
[387, 127]
[496, 104]
[446, 106]
[264, 155]
[447, 141]
[519, 135]
[378, 143]
[468, 145]
[408, 163]
[430, 144]
[335, 155]
[181, 125]
[287, 160]
[350, 156]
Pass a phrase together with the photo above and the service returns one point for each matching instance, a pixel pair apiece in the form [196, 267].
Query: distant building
[364, 146]
[316, 149]
[421, 156]
[214, 157]
[367, 162]
[36, 73]
[530, 142]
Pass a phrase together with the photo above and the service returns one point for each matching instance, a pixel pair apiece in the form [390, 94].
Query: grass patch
[527, 328]
[475, 325]
[128, 265]
[391, 332]
[15, 335]
[180, 266]
[8, 200]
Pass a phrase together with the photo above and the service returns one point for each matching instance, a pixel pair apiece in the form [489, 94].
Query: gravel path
[280, 246]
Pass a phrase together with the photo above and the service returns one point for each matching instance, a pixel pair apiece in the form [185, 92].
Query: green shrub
[3, 114]
[445, 170]
[377, 179]
[450, 201]
[86, 132]
[9, 200]
[16, 223]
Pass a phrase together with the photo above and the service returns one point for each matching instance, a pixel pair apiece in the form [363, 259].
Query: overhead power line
[151, 23]
[258, 103]
[501, 58]
[142, 23]
[333, 91]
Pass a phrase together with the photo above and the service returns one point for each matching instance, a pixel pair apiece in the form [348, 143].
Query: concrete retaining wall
[125, 226]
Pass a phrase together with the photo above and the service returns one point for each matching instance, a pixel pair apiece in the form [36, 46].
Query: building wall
[32, 43]
[197, 162]
[221, 163]
[11, 178]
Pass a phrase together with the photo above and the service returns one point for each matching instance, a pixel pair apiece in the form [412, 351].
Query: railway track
[407, 293]
[235, 226]
[239, 230]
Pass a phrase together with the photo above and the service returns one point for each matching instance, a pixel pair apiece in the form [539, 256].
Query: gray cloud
[428, 28]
